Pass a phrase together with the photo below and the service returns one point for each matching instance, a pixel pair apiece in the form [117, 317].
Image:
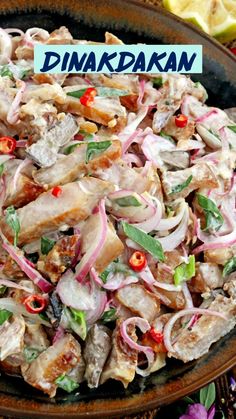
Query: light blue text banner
[117, 59]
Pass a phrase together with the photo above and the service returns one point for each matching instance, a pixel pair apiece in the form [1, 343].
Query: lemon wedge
[215, 17]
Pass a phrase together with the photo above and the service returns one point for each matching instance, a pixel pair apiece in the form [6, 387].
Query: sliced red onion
[13, 113]
[141, 92]
[187, 296]
[207, 115]
[168, 223]
[60, 333]
[32, 32]
[152, 146]
[95, 277]
[174, 239]
[153, 222]
[232, 182]
[21, 143]
[14, 30]
[224, 140]
[26, 162]
[146, 168]
[208, 137]
[133, 125]
[89, 258]
[147, 276]
[118, 280]
[134, 214]
[11, 284]
[5, 157]
[74, 294]
[18, 256]
[166, 268]
[5, 47]
[130, 158]
[168, 287]
[19, 309]
[100, 300]
[169, 325]
[3, 188]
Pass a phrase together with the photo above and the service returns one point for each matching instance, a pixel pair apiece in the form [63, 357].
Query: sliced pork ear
[48, 213]
[220, 256]
[106, 111]
[140, 301]
[96, 351]
[58, 359]
[208, 277]
[71, 167]
[192, 344]
[202, 176]
[35, 337]
[59, 258]
[60, 36]
[123, 360]
[111, 39]
[12, 337]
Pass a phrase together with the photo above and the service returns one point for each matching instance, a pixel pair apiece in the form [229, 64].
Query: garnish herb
[4, 315]
[101, 91]
[71, 148]
[66, 383]
[46, 245]
[76, 321]
[181, 186]
[1, 169]
[30, 354]
[109, 315]
[230, 266]
[208, 395]
[157, 82]
[150, 244]
[116, 267]
[214, 218]
[167, 137]
[6, 72]
[13, 221]
[232, 127]
[2, 289]
[94, 148]
[185, 271]
[128, 201]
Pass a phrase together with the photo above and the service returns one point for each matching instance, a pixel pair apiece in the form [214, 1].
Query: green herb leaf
[1, 169]
[13, 221]
[30, 354]
[128, 201]
[104, 275]
[157, 82]
[208, 395]
[46, 245]
[66, 383]
[94, 148]
[232, 127]
[116, 267]
[109, 315]
[77, 93]
[185, 271]
[3, 289]
[230, 266]
[4, 315]
[87, 136]
[167, 137]
[78, 322]
[70, 148]
[6, 72]
[148, 243]
[181, 186]
[214, 218]
[188, 399]
[110, 92]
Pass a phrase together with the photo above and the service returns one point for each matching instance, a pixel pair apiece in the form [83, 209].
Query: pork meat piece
[123, 360]
[48, 213]
[12, 336]
[59, 258]
[71, 167]
[35, 337]
[194, 343]
[208, 277]
[202, 176]
[96, 351]
[140, 301]
[58, 359]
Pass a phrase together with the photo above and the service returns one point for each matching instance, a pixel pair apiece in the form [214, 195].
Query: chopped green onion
[46, 245]
[13, 221]
[147, 242]
[185, 271]
[66, 383]
[4, 315]
[181, 186]
[94, 148]
[230, 266]
[109, 315]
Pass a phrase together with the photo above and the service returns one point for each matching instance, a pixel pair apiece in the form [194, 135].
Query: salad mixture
[118, 223]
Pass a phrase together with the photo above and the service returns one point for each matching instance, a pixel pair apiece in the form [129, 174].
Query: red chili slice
[35, 303]
[88, 97]
[138, 261]
[181, 121]
[56, 191]
[157, 336]
[7, 145]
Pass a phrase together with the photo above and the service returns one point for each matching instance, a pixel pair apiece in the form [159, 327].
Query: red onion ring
[11, 284]
[174, 239]
[21, 166]
[153, 222]
[13, 113]
[207, 115]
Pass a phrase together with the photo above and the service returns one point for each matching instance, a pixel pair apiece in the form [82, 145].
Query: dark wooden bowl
[133, 22]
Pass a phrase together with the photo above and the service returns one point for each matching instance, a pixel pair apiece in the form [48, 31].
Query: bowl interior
[132, 23]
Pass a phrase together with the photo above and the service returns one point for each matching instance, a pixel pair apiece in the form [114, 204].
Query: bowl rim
[137, 403]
